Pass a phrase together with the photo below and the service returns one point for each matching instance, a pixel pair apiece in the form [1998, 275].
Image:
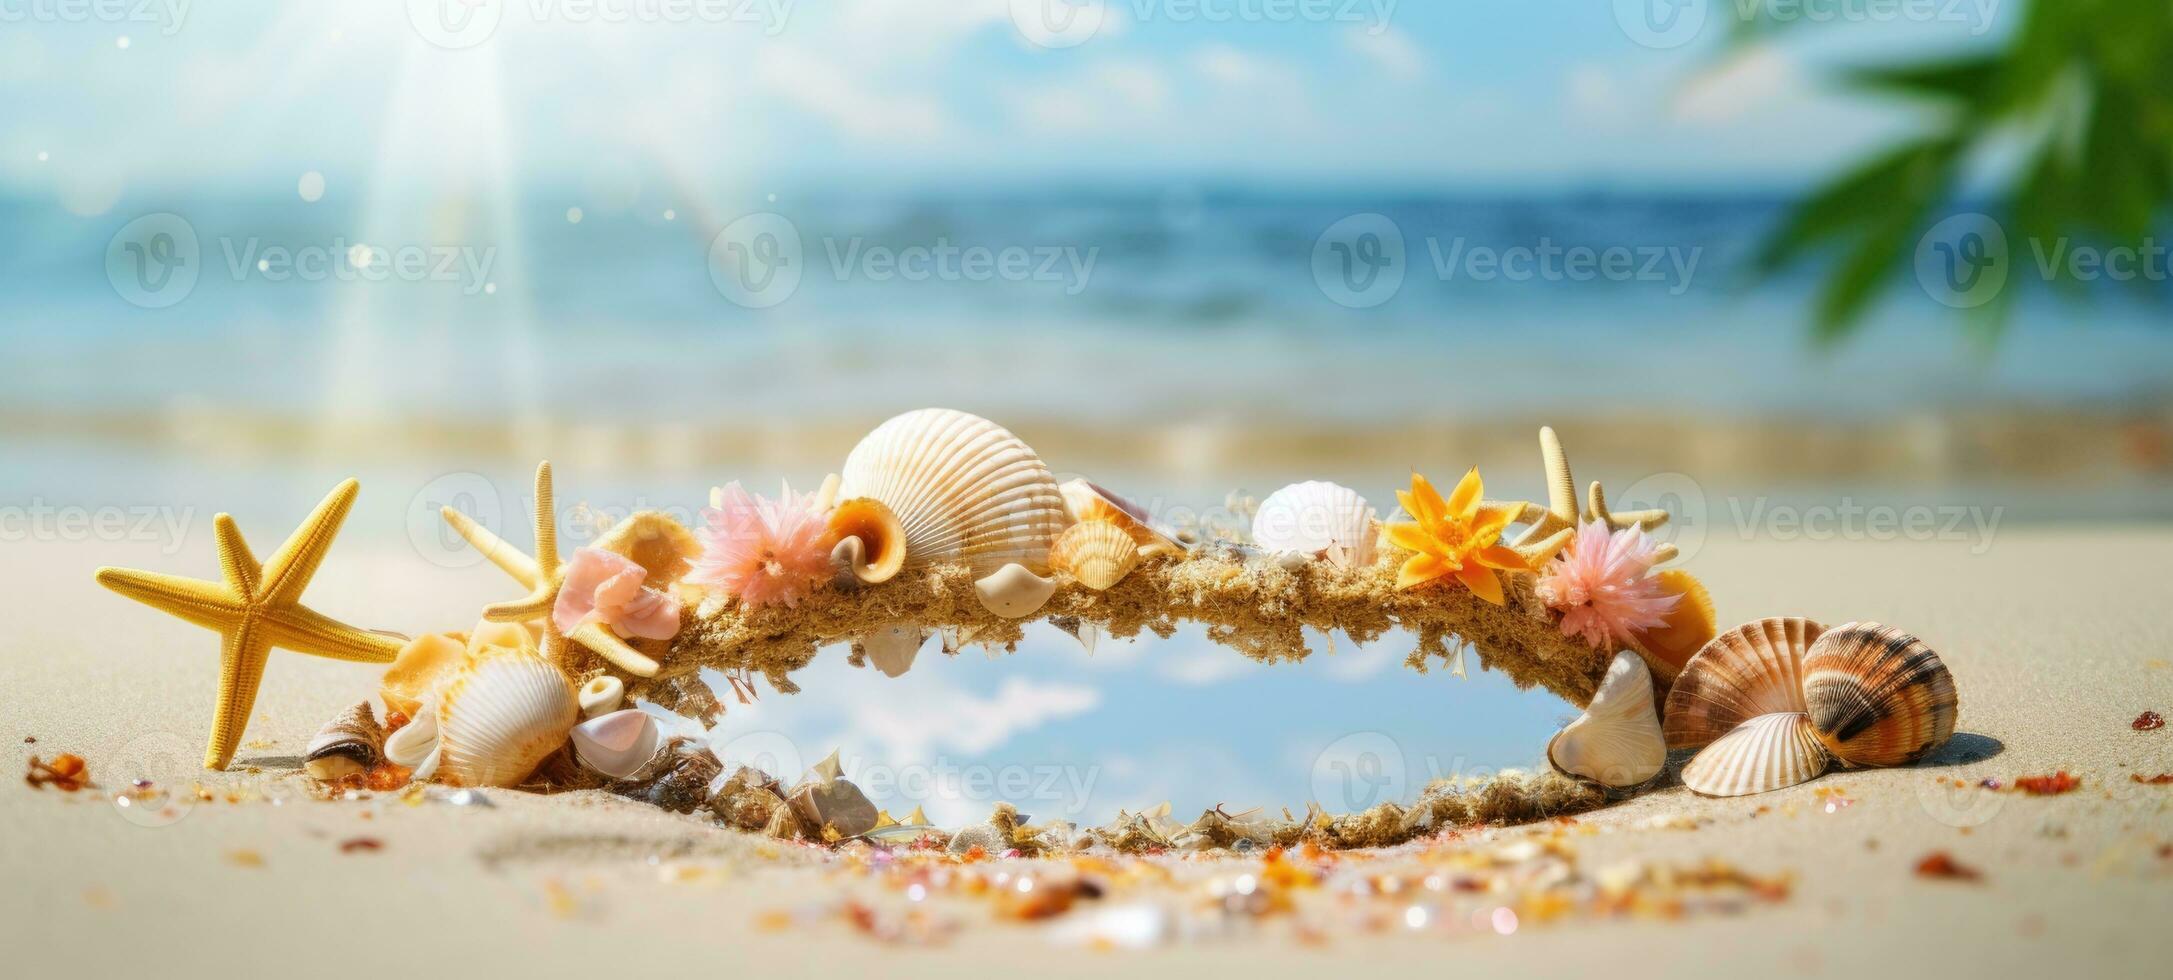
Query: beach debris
[677, 780]
[618, 745]
[868, 541]
[749, 800]
[361, 845]
[347, 745]
[1098, 554]
[245, 858]
[828, 805]
[2161, 779]
[965, 489]
[609, 589]
[258, 607]
[1455, 538]
[66, 772]
[1878, 696]
[1941, 866]
[1001, 834]
[1617, 741]
[602, 695]
[1317, 520]
[1603, 587]
[1086, 501]
[2148, 721]
[2054, 785]
[763, 552]
[542, 575]
[1014, 591]
[892, 648]
[1768, 752]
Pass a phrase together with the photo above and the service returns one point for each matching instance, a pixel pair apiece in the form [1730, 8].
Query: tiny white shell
[1617, 741]
[1768, 752]
[414, 741]
[618, 744]
[1014, 591]
[602, 696]
[1317, 518]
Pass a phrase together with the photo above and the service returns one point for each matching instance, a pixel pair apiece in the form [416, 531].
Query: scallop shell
[1617, 741]
[1086, 501]
[1754, 669]
[1098, 553]
[1014, 591]
[346, 745]
[1878, 696]
[871, 542]
[1317, 518]
[618, 744]
[501, 716]
[965, 489]
[1768, 752]
[662, 546]
[602, 695]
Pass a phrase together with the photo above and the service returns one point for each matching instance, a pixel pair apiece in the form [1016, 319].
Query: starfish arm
[304, 630]
[535, 605]
[600, 640]
[290, 569]
[1647, 519]
[235, 559]
[206, 604]
[546, 522]
[1545, 525]
[1542, 551]
[508, 558]
[1665, 553]
[1561, 490]
[241, 669]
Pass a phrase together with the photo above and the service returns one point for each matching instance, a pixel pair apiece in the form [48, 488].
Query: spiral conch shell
[965, 490]
[492, 723]
[1878, 696]
[1085, 501]
[346, 745]
[1097, 553]
[871, 542]
[1617, 741]
[1317, 518]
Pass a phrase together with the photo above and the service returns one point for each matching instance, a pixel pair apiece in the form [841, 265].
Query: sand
[2056, 637]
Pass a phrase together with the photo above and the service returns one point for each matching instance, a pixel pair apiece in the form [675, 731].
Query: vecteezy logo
[455, 24]
[1359, 261]
[148, 780]
[1683, 499]
[154, 260]
[1057, 23]
[1962, 261]
[757, 260]
[469, 493]
[1661, 23]
[1358, 771]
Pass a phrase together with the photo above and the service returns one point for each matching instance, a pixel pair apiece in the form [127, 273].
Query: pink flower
[606, 587]
[1603, 586]
[763, 551]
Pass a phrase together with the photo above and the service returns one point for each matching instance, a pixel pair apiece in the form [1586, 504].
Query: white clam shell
[1768, 752]
[964, 488]
[602, 696]
[1014, 592]
[618, 744]
[415, 740]
[501, 716]
[1617, 741]
[1317, 518]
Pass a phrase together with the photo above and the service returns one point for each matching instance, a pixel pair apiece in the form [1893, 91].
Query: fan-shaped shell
[1097, 553]
[1878, 696]
[1617, 741]
[662, 546]
[1767, 752]
[1086, 501]
[1316, 518]
[1754, 669]
[501, 716]
[870, 540]
[965, 489]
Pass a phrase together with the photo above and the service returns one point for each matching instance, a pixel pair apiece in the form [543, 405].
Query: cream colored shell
[1768, 752]
[1098, 554]
[1617, 741]
[501, 716]
[965, 489]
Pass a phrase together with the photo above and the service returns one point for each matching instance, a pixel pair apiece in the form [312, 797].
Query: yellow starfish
[1551, 527]
[542, 576]
[257, 608]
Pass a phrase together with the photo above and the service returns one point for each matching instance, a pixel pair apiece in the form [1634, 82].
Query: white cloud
[1752, 79]
[829, 89]
[1352, 662]
[946, 718]
[1226, 65]
[1104, 96]
[1592, 92]
[1390, 49]
[1211, 665]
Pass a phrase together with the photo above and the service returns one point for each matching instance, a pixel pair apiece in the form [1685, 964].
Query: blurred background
[1828, 273]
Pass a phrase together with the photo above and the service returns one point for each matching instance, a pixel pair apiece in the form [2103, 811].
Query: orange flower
[1456, 537]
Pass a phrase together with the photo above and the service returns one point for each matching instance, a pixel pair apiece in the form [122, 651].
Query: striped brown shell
[1754, 669]
[1878, 696]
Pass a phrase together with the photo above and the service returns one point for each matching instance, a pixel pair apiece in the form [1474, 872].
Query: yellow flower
[1456, 537]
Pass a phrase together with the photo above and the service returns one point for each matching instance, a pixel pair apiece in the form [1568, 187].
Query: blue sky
[875, 93]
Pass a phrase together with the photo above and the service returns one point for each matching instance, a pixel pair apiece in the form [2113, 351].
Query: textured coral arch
[1254, 606]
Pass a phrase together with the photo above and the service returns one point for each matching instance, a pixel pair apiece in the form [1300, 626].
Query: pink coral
[763, 551]
[607, 587]
[1603, 586]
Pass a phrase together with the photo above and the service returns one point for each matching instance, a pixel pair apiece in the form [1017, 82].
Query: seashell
[1768, 752]
[416, 742]
[965, 490]
[827, 803]
[870, 541]
[1617, 741]
[500, 716]
[346, 745]
[892, 648]
[1085, 501]
[1317, 518]
[1754, 669]
[1688, 628]
[602, 696]
[748, 800]
[618, 744]
[1878, 696]
[677, 779]
[662, 546]
[1014, 591]
[1098, 553]
[423, 664]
